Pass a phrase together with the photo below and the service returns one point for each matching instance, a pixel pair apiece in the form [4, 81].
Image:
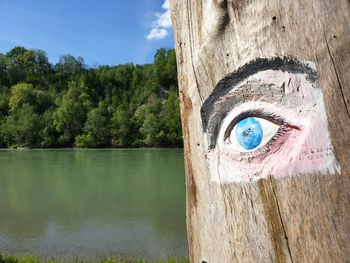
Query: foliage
[69, 104]
[70, 116]
[23, 127]
[97, 126]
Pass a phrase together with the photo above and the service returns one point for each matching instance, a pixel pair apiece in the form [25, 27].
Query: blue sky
[104, 32]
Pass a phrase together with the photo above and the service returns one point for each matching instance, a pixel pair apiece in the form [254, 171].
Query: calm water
[92, 203]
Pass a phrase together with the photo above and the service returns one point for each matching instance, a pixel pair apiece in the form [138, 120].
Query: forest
[69, 104]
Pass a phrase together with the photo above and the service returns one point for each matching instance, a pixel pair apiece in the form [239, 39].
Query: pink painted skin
[303, 147]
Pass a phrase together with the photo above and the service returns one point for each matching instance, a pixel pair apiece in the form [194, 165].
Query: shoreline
[113, 259]
[105, 148]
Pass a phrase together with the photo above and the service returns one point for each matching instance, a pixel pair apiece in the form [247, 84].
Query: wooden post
[284, 198]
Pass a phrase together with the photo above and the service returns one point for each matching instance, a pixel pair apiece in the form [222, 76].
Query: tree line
[69, 104]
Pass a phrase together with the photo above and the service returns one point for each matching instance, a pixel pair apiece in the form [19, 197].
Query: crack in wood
[279, 213]
[275, 224]
[190, 32]
[336, 73]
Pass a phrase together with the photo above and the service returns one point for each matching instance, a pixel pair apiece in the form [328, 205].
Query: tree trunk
[289, 200]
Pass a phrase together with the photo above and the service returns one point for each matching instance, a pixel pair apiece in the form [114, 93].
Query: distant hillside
[69, 104]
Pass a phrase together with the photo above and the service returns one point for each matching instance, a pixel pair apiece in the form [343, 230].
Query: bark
[292, 219]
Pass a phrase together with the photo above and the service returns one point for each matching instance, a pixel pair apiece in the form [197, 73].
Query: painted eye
[251, 133]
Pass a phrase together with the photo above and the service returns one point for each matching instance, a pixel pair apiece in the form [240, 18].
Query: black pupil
[246, 132]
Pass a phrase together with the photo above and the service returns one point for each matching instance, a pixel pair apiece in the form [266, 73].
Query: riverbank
[11, 259]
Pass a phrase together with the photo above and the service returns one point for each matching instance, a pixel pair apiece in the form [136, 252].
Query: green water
[89, 204]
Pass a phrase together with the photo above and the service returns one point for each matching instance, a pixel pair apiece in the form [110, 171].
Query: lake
[89, 204]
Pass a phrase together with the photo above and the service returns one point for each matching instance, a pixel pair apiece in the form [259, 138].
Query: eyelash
[284, 128]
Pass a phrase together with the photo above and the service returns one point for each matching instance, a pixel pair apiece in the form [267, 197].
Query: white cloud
[157, 33]
[165, 5]
[163, 20]
[161, 26]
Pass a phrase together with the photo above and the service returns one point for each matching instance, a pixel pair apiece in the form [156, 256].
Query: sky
[104, 32]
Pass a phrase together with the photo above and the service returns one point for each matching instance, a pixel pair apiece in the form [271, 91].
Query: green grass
[27, 259]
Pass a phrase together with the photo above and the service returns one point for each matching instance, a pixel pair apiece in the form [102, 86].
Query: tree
[230, 53]
[49, 135]
[4, 110]
[24, 93]
[147, 124]
[69, 65]
[150, 130]
[88, 107]
[68, 68]
[41, 71]
[170, 119]
[85, 141]
[23, 127]
[3, 71]
[171, 68]
[30, 66]
[15, 66]
[97, 131]
[120, 124]
[4, 101]
[165, 66]
[21, 94]
[70, 116]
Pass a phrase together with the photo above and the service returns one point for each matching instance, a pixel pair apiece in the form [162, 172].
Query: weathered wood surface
[295, 219]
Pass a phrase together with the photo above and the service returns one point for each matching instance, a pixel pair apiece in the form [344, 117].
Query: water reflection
[88, 203]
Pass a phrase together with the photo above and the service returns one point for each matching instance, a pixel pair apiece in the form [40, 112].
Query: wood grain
[298, 219]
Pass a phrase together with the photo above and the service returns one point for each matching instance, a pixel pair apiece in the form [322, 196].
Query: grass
[28, 259]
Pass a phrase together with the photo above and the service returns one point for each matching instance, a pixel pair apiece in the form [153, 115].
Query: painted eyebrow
[229, 82]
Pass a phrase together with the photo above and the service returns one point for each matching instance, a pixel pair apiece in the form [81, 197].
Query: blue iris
[249, 133]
